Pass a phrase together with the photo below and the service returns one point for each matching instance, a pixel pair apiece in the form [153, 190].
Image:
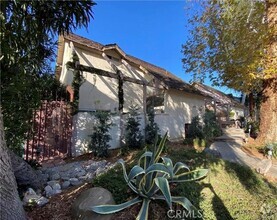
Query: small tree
[133, 133]
[101, 136]
[151, 129]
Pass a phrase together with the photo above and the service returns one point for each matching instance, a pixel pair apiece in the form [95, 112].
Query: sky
[153, 31]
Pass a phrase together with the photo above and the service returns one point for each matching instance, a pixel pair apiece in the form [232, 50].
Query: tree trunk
[251, 106]
[268, 112]
[10, 205]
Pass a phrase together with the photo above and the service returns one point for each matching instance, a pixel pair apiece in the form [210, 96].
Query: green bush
[211, 128]
[134, 138]
[188, 141]
[195, 129]
[151, 129]
[117, 186]
[273, 148]
[101, 136]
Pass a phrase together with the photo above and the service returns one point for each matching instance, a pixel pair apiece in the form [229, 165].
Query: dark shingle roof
[216, 94]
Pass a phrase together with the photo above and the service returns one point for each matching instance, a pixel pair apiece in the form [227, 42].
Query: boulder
[81, 208]
[25, 175]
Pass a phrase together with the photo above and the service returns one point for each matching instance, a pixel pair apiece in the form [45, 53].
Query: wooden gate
[50, 136]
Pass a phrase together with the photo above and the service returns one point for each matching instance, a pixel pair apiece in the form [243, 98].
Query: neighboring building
[222, 104]
[176, 102]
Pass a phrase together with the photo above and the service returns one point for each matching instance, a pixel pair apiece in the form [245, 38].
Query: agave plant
[150, 180]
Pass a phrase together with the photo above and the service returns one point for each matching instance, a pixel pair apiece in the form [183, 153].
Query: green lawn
[230, 191]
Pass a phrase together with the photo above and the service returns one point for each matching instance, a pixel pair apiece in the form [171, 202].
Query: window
[156, 101]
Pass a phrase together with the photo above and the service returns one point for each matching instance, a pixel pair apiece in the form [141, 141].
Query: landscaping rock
[30, 197]
[90, 176]
[81, 173]
[99, 171]
[55, 176]
[56, 191]
[65, 184]
[25, 175]
[52, 183]
[56, 186]
[48, 191]
[42, 201]
[75, 181]
[81, 208]
[65, 177]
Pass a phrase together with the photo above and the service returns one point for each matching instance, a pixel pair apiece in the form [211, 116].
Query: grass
[230, 191]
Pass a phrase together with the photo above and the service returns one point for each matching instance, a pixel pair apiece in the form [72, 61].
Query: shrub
[152, 175]
[195, 129]
[151, 129]
[211, 128]
[199, 144]
[133, 133]
[273, 148]
[101, 136]
[117, 186]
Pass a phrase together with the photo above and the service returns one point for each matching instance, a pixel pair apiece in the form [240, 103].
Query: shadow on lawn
[249, 179]
[220, 210]
[192, 190]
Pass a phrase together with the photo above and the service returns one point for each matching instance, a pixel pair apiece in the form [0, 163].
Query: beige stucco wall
[180, 108]
[100, 93]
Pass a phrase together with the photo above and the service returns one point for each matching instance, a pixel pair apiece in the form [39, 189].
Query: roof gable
[169, 79]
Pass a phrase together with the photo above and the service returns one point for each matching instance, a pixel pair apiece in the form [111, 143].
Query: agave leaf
[190, 176]
[179, 200]
[147, 179]
[168, 163]
[152, 189]
[130, 184]
[178, 166]
[147, 158]
[163, 185]
[143, 213]
[108, 209]
[160, 148]
[183, 201]
[158, 167]
[135, 171]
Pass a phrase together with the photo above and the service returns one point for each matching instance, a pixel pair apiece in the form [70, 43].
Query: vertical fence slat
[52, 139]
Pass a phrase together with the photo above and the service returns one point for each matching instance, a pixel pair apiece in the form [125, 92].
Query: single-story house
[178, 101]
[226, 107]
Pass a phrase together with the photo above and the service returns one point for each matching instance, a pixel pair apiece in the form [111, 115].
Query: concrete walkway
[228, 146]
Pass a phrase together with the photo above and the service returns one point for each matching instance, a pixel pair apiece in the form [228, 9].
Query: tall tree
[28, 29]
[234, 44]
[28, 45]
